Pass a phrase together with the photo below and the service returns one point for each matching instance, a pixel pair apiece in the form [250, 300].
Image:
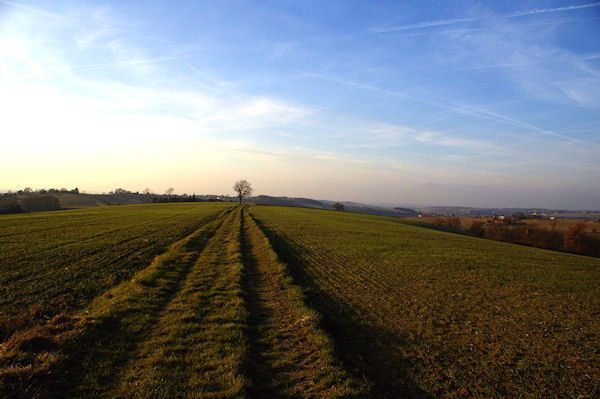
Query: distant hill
[122, 198]
[76, 201]
[326, 204]
[488, 212]
[375, 210]
[286, 201]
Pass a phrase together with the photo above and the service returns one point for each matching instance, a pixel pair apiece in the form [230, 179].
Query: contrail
[443, 22]
[463, 109]
[546, 10]
[426, 24]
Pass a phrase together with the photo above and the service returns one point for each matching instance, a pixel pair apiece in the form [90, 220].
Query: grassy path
[215, 316]
[59, 262]
[363, 345]
[197, 348]
[80, 355]
[289, 355]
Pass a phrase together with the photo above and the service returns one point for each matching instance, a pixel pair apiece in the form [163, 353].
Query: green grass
[211, 300]
[421, 311]
[57, 262]
[197, 347]
[181, 328]
[82, 357]
[292, 355]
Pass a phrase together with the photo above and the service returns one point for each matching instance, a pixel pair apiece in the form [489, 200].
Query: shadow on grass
[263, 377]
[363, 348]
[92, 360]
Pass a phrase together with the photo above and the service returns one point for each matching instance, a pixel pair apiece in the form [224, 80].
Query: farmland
[214, 314]
[562, 225]
[422, 310]
[58, 262]
[217, 300]
[575, 236]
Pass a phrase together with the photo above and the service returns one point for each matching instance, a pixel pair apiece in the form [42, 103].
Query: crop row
[58, 262]
[216, 315]
[442, 313]
[80, 355]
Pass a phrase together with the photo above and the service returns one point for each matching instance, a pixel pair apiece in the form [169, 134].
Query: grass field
[214, 315]
[422, 311]
[57, 262]
[213, 300]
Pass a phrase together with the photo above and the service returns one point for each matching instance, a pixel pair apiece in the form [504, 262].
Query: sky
[490, 104]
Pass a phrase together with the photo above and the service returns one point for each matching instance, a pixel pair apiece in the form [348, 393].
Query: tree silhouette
[338, 206]
[243, 189]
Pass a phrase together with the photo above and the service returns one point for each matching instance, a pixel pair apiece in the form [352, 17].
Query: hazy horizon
[479, 104]
[384, 204]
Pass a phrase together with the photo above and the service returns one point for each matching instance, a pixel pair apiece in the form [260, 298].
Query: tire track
[81, 356]
[358, 327]
[289, 355]
[197, 347]
[184, 327]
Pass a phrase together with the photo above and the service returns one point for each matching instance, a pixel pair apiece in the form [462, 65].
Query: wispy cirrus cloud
[494, 116]
[476, 111]
[66, 94]
[294, 94]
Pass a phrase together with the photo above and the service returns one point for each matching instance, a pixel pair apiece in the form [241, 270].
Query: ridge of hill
[349, 206]
[287, 201]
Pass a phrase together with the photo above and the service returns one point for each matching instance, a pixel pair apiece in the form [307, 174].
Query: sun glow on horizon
[486, 106]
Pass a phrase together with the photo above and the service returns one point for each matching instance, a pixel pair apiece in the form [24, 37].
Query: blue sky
[425, 102]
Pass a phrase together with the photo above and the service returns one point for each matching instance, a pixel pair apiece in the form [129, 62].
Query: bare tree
[243, 189]
[338, 206]
[170, 191]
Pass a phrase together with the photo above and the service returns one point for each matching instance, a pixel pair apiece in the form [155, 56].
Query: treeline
[148, 196]
[575, 239]
[29, 200]
[182, 198]
[29, 191]
[30, 203]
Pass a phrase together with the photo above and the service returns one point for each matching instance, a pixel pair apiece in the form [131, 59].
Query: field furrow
[81, 355]
[197, 348]
[290, 356]
[366, 349]
[265, 302]
[79, 254]
[416, 310]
